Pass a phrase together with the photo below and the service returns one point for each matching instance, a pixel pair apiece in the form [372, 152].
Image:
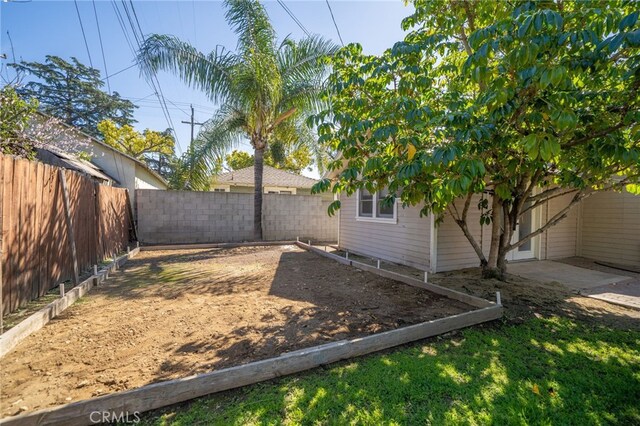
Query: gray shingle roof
[270, 177]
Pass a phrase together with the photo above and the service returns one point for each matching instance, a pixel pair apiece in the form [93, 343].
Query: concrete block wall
[185, 217]
[285, 217]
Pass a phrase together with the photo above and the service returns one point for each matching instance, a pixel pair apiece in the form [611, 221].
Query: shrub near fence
[46, 212]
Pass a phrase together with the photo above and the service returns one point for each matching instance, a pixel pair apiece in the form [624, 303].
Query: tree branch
[562, 214]
[465, 230]
[557, 218]
[546, 200]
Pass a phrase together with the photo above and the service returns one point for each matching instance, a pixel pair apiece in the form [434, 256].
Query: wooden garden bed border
[213, 245]
[37, 320]
[443, 291]
[158, 395]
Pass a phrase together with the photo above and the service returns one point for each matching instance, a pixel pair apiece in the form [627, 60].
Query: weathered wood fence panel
[36, 246]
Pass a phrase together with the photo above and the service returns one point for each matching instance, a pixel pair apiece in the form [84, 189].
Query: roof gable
[270, 177]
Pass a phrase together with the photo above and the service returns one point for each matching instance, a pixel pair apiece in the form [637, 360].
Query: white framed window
[370, 207]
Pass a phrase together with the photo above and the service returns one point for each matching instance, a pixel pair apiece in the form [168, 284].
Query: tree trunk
[258, 166]
[500, 238]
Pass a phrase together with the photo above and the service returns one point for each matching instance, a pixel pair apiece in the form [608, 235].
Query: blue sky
[39, 28]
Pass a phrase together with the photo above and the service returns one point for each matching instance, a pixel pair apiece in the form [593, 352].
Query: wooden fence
[55, 224]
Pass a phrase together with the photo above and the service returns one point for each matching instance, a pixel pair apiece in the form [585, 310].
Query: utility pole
[193, 124]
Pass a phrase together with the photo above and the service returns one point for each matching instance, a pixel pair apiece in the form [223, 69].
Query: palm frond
[305, 96]
[294, 135]
[249, 20]
[210, 73]
[305, 60]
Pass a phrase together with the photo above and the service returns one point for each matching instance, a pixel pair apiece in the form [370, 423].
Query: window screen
[383, 210]
[365, 203]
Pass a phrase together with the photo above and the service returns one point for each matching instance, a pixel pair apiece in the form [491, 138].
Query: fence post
[98, 248]
[69, 220]
[132, 218]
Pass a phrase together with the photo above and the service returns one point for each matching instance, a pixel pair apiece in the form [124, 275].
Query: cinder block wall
[183, 217]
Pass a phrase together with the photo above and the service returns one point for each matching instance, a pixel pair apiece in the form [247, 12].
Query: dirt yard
[171, 314]
[524, 298]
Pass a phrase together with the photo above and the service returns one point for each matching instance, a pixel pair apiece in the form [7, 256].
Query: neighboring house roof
[270, 177]
[56, 157]
[96, 141]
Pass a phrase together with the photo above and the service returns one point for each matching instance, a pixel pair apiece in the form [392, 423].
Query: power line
[84, 36]
[334, 22]
[295, 19]
[153, 81]
[118, 72]
[104, 60]
[161, 97]
[122, 26]
[172, 103]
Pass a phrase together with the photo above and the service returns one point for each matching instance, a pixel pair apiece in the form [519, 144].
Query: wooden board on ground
[170, 392]
[174, 391]
[443, 291]
[39, 319]
[214, 245]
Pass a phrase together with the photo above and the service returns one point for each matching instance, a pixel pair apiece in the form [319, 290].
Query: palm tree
[264, 89]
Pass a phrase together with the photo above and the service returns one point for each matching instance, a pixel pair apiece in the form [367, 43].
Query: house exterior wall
[560, 240]
[145, 180]
[453, 250]
[119, 167]
[174, 217]
[409, 241]
[610, 228]
[406, 242]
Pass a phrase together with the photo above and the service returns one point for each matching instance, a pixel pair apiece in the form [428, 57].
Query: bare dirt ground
[171, 314]
[524, 298]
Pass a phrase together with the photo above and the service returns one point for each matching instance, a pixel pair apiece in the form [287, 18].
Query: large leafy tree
[264, 89]
[15, 114]
[138, 145]
[237, 160]
[73, 93]
[294, 160]
[23, 129]
[522, 101]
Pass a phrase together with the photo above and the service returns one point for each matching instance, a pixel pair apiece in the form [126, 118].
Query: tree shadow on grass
[544, 371]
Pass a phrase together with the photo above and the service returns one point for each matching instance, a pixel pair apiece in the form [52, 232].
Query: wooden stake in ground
[69, 220]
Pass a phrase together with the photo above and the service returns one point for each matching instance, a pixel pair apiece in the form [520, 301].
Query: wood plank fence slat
[7, 235]
[35, 249]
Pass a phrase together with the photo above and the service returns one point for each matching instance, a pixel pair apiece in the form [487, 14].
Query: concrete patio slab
[572, 276]
[621, 290]
[624, 293]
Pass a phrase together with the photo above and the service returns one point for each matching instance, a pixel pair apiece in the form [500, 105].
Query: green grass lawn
[544, 371]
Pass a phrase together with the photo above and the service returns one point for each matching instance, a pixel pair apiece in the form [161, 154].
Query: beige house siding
[406, 242]
[560, 240]
[610, 228]
[453, 249]
[606, 227]
[145, 180]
